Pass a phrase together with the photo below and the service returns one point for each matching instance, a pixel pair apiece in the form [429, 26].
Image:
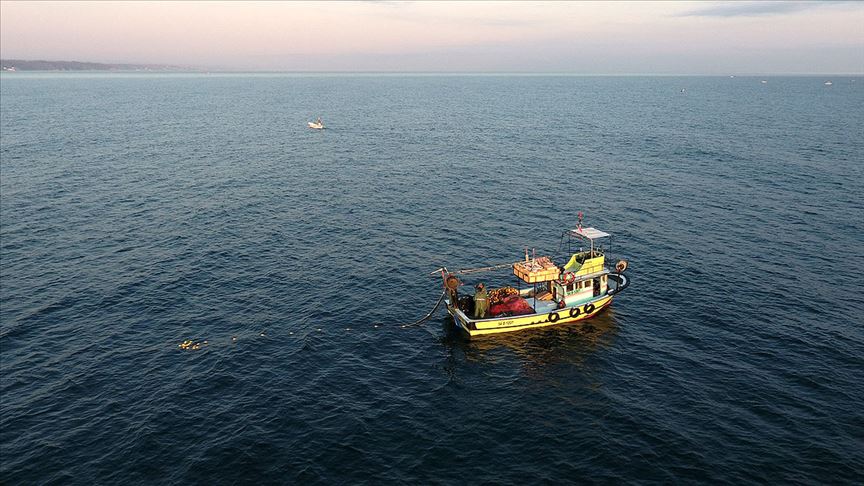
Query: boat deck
[546, 306]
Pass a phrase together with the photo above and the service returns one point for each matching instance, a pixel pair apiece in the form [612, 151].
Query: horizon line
[188, 70]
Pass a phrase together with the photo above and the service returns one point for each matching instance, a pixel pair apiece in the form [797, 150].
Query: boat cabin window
[570, 287]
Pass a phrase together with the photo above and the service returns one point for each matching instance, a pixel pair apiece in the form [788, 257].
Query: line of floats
[547, 294]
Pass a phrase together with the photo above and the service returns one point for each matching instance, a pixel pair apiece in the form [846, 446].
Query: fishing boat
[318, 124]
[546, 294]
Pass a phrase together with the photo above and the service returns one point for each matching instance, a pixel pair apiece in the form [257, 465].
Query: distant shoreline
[16, 65]
[200, 72]
[23, 65]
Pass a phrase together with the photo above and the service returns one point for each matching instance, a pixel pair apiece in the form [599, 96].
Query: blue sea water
[141, 210]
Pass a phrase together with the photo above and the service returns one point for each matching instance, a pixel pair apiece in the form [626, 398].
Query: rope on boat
[483, 269]
[440, 299]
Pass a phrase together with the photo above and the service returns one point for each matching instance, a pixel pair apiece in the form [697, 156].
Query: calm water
[142, 210]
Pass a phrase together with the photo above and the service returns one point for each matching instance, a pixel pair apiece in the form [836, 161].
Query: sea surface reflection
[142, 211]
[567, 344]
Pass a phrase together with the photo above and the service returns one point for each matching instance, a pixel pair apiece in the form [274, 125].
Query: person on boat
[481, 301]
[318, 121]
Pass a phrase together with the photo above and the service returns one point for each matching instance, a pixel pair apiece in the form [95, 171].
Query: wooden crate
[531, 272]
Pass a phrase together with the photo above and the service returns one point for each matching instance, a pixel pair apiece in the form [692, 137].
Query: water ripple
[133, 218]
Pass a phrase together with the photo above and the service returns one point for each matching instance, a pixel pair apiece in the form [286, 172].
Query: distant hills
[28, 65]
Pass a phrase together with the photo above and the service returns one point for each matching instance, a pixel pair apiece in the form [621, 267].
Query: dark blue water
[138, 211]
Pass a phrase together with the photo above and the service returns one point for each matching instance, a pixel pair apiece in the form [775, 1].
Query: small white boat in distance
[828, 83]
[317, 124]
[764, 81]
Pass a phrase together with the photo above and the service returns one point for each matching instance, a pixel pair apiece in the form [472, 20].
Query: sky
[761, 37]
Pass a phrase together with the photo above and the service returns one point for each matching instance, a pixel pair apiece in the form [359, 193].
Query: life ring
[553, 317]
[589, 308]
[562, 304]
[621, 266]
[574, 312]
[568, 277]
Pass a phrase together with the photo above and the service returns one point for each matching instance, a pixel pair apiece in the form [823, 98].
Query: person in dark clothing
[481, 301]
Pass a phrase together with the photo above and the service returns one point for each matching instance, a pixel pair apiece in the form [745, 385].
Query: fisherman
[318, 121]
[481, 301]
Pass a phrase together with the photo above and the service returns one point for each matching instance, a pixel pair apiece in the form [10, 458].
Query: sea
[139, 211]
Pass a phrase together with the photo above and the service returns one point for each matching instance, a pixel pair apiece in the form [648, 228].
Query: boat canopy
[590, 233]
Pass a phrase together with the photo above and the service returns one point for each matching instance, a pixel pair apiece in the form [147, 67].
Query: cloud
[474, 15]
[750, 9]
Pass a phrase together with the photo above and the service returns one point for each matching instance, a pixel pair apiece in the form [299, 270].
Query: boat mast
[579, 226]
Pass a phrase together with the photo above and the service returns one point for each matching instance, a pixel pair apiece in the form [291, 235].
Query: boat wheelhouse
[547, 293]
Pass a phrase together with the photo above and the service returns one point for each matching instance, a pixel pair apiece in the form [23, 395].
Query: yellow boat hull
[480, 327]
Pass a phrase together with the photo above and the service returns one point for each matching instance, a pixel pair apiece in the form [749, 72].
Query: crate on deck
[537, 270]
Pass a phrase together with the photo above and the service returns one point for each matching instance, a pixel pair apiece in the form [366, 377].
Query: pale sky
[579, 37]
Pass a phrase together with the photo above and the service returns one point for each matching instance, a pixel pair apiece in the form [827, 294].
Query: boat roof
[590, 233]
